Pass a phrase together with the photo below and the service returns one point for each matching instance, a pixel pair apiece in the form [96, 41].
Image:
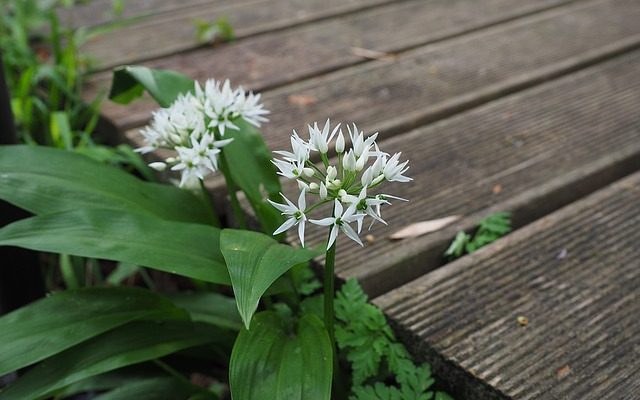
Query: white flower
[340, 221]
[393, 170]
[345, 183]
[248, 107]
[296, 215]
[219, 105]
[319, 139]
[192, 126]
[300, 150]
[293, 169]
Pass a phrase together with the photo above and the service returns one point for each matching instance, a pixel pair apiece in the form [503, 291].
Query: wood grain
[545, 147]
[573, 274]
[168, 33]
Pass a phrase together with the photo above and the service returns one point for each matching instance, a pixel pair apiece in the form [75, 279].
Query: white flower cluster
[194, 126]
[360, 168]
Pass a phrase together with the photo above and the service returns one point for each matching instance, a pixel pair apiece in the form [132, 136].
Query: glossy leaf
[255, 261]
[46, 180]
[251, 169]
[130, 82]
[212, 308]
[269, 362]
[62, 320]
[130, 344]
[191, 250]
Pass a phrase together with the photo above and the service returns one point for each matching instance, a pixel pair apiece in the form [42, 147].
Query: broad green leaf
[191, 250]
[46, 180]
[55, 323]
[255, 261]
[251, 169]
[130, 82]
[212, 308]
[127, 345]
[269, 362]
[156, 388]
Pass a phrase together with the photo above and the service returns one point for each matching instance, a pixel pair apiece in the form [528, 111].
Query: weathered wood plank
[174, 32]
[529, 153]
[282, 57]
[99, 12]
[574, 274]
[437, 80]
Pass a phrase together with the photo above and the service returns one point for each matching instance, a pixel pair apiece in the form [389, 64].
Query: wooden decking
[501, 105]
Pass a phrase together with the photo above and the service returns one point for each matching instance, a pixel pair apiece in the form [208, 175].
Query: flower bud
[308, 172]
[323, 191]
[332, 172]
[340, 143]
[342, 194]
[314, 186]
[360, 163]
[367, 177]
[302, 185]
[158, 166]
[377, 180]
[349, 161]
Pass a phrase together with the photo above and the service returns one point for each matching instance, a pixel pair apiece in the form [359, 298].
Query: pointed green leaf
[250, 166]
[130, 82]
[57, 322]
[269, 362]
[46, 180]
[255, 261]
[130, 344]
[191, 250]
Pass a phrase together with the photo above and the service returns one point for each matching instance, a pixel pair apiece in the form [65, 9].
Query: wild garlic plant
[345, 184]
[194, 127]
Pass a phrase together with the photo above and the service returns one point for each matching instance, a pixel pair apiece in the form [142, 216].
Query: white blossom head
[344, 184]
[193, 126]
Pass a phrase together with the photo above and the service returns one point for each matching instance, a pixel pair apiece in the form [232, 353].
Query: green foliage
[130, 344]
[60, 321]
[248, 156]
[251, 169]
[45, 74]
[210, 32]
[271, 362]
[44, 180]
[130, 82]
[191, 250]
[489, 230]
[210, 307]
[255, 261]
[367, 341]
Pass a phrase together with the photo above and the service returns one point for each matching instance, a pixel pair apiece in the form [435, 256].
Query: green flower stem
[206, 198]
[329, 293]
[232, 188]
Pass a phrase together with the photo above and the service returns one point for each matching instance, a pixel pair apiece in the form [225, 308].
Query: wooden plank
[529, 153]
[174, 32]
[283, 57]
[100, 12]
[438, 80]
[574, 275]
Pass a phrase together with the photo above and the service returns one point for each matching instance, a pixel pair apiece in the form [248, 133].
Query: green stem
[329, 294]
[238, 214]
[206, 198]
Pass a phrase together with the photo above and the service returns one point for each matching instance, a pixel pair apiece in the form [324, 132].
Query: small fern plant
[375, 356]
[489, 230]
